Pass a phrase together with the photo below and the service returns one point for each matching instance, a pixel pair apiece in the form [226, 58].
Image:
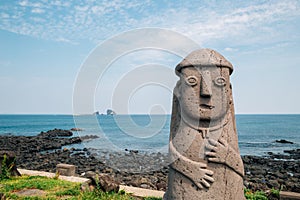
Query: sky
[45, 46]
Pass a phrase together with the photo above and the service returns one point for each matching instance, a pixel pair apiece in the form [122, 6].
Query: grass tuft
[258, 195]
[55, 189]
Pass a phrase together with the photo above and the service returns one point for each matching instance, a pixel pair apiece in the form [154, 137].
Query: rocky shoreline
[45, 151]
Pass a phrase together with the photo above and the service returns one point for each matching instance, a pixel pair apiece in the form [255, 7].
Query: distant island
[96, 113]
[110, 112]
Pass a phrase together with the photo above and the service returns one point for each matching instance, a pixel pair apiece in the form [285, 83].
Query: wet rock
[56, 133]
[128, 168]
[88, 137]
[284, 141]
[279, 171]
[76, 129]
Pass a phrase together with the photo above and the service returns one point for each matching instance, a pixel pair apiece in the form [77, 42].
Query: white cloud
[36, 5]
[62, 39]
[26, 3]
[81, 8]
[98, 9]
[4, 15]
[95, 20]
[236, 22]
[23, 3]
[230, 49]
[38, 20]
[37, 10]
[59, 3]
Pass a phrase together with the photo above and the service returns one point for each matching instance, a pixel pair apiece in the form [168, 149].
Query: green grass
[55, 189]
[258, 195]
[59, 189]
[37, 182]
[5, 170]
[275, 193]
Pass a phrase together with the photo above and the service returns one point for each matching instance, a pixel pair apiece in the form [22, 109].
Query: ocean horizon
[150, 133]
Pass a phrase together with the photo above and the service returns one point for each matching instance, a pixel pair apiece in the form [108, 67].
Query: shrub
[5, 170]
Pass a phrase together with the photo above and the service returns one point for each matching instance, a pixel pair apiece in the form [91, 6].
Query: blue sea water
[257, 133]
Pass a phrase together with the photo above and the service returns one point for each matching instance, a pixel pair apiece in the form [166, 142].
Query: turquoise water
[257, 133]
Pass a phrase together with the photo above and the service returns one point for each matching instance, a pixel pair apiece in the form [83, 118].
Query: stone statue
[203, 148]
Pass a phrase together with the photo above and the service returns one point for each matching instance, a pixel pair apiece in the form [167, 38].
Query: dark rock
[56, 133]
[88, 137]
[273, 184]
[134, 183]
[284, 141]
[96, 113]
[110, 112]
[103, 181]
[133, 151]
[76, 129]
[44, 153]
[161, 185]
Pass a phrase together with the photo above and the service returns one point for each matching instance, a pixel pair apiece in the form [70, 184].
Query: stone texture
[203, 148]
[289, 195]
[30, 192]
[56, 133]
[103, 181]
[65, 169]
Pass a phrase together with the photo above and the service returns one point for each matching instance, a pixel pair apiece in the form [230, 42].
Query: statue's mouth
[205, 106]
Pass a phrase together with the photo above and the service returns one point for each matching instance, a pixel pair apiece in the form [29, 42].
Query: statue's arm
[195, 171]
[221, 152]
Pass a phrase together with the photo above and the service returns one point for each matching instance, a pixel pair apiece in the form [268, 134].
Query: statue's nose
[205, 89]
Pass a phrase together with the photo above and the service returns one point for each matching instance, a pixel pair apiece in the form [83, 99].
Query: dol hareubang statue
[203, 148]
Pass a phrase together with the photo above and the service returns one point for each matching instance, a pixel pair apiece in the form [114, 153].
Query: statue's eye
[220, 81]
[191, 80]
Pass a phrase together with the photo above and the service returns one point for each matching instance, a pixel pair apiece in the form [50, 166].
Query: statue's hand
[202, 176]
[196, 171]
[217, 151]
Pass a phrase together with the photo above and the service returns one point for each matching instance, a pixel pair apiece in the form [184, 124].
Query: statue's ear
[176, 90]
[176, 116]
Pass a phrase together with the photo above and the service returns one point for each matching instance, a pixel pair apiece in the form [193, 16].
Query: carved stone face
[204, 93]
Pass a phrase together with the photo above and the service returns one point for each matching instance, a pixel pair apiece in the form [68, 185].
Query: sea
[150, 133]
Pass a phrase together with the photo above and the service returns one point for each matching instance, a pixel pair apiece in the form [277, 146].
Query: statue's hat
[204, 57]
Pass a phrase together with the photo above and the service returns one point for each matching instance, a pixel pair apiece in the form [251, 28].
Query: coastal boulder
[103, 181]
